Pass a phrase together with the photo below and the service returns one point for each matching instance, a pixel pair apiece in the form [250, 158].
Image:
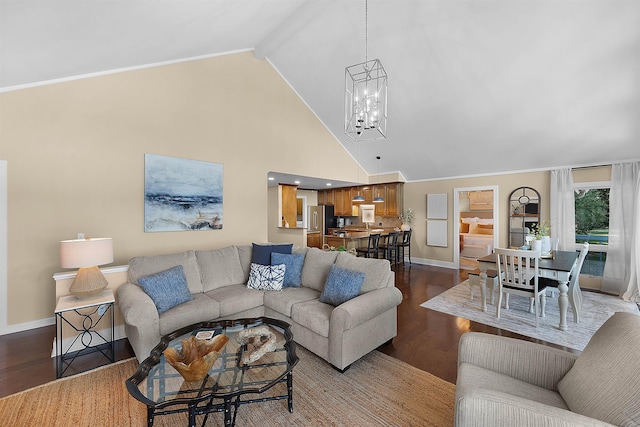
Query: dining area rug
[596, 309]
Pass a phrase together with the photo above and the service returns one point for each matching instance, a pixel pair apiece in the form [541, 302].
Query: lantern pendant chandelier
[365, 97]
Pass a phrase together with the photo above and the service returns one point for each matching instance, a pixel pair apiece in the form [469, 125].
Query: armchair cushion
[604, 383]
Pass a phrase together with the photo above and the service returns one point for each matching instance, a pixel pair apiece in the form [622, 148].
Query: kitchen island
[352, 238]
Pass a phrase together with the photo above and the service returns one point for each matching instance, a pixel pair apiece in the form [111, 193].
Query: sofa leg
[342, 371]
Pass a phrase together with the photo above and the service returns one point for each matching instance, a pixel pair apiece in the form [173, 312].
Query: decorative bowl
[196, 356]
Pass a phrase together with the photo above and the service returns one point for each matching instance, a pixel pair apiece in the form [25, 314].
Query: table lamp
[86, 255]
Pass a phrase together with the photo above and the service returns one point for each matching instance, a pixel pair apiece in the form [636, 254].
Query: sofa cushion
[341, 286]
[201, 308]
[145, 265]
[244, 252]
[167, 288]
[262, 253]
[313, 315]
[604, 382]
[315, 270]
[266, 277]
[293, 270]
[283, 301]
[236, 298]
[220, 267]
[377, 271]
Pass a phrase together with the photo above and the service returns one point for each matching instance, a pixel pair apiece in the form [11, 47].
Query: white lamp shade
[83, 253]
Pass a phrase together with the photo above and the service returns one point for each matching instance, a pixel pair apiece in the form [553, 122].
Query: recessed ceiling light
[328, 184]
[271, 178]
[296, 182]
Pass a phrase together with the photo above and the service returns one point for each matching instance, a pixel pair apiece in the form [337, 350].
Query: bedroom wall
[75, 161]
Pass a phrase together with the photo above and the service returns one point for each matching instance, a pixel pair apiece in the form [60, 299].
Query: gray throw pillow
[167, 288]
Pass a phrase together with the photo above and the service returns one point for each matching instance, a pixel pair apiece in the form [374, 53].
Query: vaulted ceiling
[475, 86]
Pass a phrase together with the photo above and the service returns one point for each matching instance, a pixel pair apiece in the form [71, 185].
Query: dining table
[559, 267]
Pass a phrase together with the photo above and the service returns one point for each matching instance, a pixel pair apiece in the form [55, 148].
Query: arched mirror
[524, 212]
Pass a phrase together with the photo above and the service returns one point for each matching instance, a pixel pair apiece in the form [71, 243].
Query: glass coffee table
[228, 384]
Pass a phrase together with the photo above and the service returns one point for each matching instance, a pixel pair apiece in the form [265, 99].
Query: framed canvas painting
[182, 194]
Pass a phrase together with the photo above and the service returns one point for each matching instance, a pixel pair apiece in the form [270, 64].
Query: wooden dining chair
[372, 249]
[518, 275]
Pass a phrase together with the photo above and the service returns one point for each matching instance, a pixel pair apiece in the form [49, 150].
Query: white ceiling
[475, 86]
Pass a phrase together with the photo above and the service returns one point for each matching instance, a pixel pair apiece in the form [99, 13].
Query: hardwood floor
[426, 339]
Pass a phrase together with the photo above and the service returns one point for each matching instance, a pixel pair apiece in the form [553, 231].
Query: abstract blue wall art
[182, 194]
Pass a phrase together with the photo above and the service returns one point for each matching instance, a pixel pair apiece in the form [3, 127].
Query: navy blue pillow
[341, 285]
[293, 268]
[167, 288]
[261, 254]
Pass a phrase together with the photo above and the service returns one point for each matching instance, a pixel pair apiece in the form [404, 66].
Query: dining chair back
[371, 251]
[518, 274]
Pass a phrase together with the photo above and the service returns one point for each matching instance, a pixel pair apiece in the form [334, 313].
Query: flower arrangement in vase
[541, 240]
[406, 217]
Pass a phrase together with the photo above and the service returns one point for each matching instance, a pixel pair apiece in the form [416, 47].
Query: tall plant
[407, 217]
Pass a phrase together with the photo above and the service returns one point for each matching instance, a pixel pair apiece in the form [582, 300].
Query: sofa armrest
[545, 366]
[480, 407]
[142, 322]
[365, 307]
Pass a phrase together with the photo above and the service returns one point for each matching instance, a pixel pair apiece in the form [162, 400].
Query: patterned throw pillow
[266, 277]
[167, 288]
[341, 285]
[293, 270]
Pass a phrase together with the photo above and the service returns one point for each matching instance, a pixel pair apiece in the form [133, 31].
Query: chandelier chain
[366, 31]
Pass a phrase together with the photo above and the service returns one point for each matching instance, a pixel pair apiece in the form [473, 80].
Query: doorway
[475, 224]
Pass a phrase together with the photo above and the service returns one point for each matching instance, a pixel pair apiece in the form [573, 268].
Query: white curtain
[562, 209]
[620, 275]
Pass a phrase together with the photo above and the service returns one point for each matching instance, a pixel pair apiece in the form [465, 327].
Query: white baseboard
[431, 262]
[67, 347]
[21, 327]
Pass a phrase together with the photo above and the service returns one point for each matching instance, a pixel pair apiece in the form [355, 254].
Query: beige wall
[75, 155]
[415, 197]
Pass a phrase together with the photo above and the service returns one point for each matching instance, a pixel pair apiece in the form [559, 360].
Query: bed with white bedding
[476, 235]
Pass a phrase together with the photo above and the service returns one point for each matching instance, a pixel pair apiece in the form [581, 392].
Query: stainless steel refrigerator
[321, 218]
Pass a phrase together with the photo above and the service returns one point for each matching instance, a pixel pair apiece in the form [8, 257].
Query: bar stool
[405, 243]
[372, 249]
[390, 248]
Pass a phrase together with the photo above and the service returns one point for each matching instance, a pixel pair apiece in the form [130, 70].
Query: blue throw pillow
[261, 254]
[293, 271]
[341, 285]
[167, 288]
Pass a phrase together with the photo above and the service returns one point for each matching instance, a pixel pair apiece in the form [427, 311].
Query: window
[592, 223]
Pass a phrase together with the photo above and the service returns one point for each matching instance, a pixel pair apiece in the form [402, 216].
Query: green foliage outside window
[592, 212]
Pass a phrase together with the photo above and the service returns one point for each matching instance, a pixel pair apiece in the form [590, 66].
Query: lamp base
[89, 283]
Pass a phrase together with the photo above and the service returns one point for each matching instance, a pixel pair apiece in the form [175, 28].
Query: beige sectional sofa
[217, 281]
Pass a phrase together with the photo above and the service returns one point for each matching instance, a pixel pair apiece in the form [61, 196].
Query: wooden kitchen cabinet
[340, 198]
[314, 240]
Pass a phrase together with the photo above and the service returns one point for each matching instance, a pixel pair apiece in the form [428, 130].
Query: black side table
[84, 317]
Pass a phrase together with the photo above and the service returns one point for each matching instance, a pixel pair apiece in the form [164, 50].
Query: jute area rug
[596, 309]
[377, 390]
